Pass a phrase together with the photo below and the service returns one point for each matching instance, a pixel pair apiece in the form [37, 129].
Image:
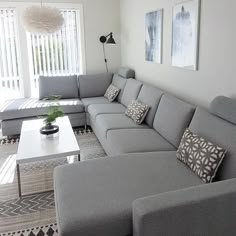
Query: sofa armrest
[94, 85]
[203, 210]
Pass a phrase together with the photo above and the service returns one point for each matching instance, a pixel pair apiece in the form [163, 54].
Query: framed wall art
[153, 36]
[185, 34]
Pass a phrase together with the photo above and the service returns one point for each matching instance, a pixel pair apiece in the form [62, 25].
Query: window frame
[26, 74]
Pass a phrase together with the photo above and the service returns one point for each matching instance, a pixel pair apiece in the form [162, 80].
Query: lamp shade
[111, 40]
[42, 19]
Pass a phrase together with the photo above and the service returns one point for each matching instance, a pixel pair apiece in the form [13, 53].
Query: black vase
[49, 129]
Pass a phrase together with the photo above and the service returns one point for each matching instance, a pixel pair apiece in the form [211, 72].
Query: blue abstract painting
[185, 35]
[153, 36]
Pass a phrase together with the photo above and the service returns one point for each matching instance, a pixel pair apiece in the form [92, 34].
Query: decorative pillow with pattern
[111, 93]
[137, 111]
[202, 156]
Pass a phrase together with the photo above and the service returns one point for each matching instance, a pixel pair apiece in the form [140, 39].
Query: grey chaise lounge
[141, 189]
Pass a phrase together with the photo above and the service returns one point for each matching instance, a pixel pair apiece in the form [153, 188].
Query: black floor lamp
[109, 40]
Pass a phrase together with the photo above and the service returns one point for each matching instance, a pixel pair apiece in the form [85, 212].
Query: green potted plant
[54, 111]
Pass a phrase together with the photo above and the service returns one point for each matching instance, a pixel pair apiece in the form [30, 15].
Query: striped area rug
[34, 214]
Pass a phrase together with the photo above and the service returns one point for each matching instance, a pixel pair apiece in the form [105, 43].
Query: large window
[9, 55]
[24, 56]
[57, 54]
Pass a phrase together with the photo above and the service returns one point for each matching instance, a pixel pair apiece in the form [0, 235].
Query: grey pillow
[137, 111]
[200, 155]
[111, 93]
[64, 86]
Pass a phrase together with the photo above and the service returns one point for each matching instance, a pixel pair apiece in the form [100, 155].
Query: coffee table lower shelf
[19, 181]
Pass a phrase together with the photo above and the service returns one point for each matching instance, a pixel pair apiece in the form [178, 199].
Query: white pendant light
[42, 19]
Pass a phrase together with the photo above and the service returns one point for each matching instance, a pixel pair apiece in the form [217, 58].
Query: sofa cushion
[111, 93]
[220, 132]
[95, 197]
[106, 122]
[94, 85]
[126, 73]
[25, 107]
[225, 108]
[172, 118]
[120, 83]
[200, 155]
[137, 111]
[94, 100]
[65, 86]
[136, 140]
[131, 91]
[97, 109]
[151, 96]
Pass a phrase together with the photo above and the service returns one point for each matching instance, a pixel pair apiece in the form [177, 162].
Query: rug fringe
[48, 229]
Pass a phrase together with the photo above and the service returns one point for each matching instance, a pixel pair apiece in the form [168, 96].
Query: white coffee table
[34, 146]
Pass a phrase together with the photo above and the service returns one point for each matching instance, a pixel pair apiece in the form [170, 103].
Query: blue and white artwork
[185, 35]
[153, 36]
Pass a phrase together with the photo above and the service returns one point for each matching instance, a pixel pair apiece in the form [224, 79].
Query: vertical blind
[56, 54]
[9, 56]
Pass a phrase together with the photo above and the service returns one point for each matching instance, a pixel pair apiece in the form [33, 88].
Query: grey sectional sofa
[141, 189]
[74, 100]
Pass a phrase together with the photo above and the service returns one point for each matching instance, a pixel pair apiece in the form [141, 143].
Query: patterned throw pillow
[137, 111]
[203, 157]
[111, 93]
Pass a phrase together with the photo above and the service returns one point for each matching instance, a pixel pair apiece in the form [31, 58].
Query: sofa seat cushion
[137, 140]
[97, 109]
[95, 197]
[22, 108]
[106, 122]
[94, 100]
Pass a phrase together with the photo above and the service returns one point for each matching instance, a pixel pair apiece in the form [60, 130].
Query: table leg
[18, 178]
[78, 157]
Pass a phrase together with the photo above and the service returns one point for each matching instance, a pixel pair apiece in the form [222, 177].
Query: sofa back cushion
[131, 91]
[120, 83]
[173, 116]
[65, 86]
[151, 96]
[220, 132]
[120, 79]
[94, 85]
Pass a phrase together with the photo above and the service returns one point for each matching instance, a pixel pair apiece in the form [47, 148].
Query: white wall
[100, 18]
[217, 62]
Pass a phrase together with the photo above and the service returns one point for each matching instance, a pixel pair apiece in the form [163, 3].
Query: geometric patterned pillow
[137, 111]
[201, 156]
[111, 93]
